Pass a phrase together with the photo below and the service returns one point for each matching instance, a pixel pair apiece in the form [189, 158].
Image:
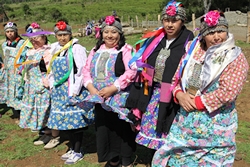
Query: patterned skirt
[115, 103]
[199, 139]
[69, 113]
[147, 135]
[35, 108]
[3, 87]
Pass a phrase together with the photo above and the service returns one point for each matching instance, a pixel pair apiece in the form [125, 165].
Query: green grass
[79, 11]
[242, 139]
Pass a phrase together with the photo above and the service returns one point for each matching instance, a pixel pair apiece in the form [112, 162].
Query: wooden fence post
[248, 27]
[159, 20]
[137, 22]
[194, 24]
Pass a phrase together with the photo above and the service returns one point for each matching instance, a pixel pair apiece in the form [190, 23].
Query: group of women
[174, 95]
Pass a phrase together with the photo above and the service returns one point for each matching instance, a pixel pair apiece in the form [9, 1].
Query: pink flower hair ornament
[212, 18]
[171, 10]
[61, 25]
[109, 20]
[35, 25]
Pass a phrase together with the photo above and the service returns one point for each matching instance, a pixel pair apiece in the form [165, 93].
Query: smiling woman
[107, 77]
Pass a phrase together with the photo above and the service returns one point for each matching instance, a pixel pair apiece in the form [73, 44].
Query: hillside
[79, 11]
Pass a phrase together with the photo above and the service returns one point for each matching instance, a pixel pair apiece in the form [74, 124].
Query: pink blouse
[124, 80]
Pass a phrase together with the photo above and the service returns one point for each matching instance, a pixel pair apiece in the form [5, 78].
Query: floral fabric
[64, 114]
[148, 136]
[35, 104]
[103, 74]
[200, 139]
[11, 80]
[206, 138]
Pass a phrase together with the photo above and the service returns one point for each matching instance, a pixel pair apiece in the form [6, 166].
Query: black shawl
[137, 99]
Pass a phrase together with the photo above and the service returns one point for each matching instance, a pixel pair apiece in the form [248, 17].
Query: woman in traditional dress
[9, 78]
[150, 98]
[36, 98]
[107, 78]
[66, 84]
[207, 83]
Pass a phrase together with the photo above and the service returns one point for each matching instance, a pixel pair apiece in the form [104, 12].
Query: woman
[36, 98]
[65, 80]
[9, 77]
[107, 77]
[203, 132]
[149, 96]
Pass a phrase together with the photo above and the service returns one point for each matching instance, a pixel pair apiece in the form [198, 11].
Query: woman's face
[111, 37]
[38, 41]
[215, 38]
[10, 34]
[63, 39]
[172, 27]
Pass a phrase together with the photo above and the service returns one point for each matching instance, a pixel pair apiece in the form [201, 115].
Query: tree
[55, 13]
[26, 9]
[207, 5]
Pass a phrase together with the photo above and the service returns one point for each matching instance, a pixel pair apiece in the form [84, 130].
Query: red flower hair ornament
[61, 25]
[212, 18]
[109, 20]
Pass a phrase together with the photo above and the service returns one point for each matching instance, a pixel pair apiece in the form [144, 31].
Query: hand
[45, 82]
[108, 91]
[186, 101]
[92, 89]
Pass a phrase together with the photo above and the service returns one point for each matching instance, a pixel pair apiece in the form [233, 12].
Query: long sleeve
[230, 84]
[80, 58]
[125, 79]
[86, 70]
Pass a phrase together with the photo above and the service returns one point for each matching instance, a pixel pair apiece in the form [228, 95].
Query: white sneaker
[52, 143]
[67, 154]
[74, 158]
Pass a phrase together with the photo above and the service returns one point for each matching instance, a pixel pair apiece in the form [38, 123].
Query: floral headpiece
[10, 25]
[212, 18]
[35, 25]
[174, 10]
[110, 22]
[35, 30]
[62, 27]
[171, 9]
[213, 21]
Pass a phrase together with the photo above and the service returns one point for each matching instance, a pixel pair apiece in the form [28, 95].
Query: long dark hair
[121, 42]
